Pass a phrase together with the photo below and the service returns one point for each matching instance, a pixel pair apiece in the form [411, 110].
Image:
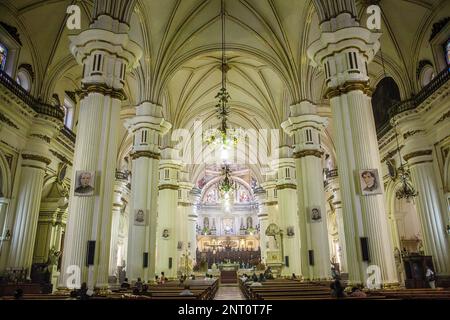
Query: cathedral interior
[149, 141]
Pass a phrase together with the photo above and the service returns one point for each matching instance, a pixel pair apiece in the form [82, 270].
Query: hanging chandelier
[226, 185]
[223, 138]
[406, 191]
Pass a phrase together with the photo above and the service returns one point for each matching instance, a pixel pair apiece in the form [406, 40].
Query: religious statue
[53, 257]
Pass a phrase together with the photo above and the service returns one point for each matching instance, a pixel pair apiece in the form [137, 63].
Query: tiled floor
[229, 292]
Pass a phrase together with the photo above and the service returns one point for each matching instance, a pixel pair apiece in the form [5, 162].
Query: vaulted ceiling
[266, 49]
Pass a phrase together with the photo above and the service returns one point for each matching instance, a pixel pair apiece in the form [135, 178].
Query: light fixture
[406, 191]
[226, 185]
[223, 138]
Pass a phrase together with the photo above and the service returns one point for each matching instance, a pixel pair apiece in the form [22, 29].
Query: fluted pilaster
[306, 126]
[105, 65]
[147, 127]
[344, 54]
[288, 211]
[35, 159]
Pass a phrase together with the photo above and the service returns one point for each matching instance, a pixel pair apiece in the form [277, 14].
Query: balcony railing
[426, 91]
[21, 93]
[331, 173]
[68, 133]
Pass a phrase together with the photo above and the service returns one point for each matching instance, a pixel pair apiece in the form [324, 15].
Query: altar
[228, 266]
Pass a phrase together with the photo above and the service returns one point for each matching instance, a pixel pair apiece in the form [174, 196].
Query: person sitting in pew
[186, 291]
[337, 290]
[125, 284]
[262, 278]
[356, 292]
[293, 277]
[138, 285]
[254, 277]
[268, 273]
[18, 294]
[255, 284]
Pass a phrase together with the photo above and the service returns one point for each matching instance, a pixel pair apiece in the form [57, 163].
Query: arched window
[385, 95]
[3, 56]
[24, 79]
[68, 108]
[426, 75]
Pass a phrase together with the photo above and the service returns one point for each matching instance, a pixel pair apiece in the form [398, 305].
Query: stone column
[418, 152]
[168, 226]
[106, 56]
[344, 55]
[5, 232]
[270, 212]
[288, 211]
[306, 126]
[195, 194]
[147, 127]
[4, 203]
[119, 185]
[186, 224]
[35, 159]
[263, 217]
[336, 203]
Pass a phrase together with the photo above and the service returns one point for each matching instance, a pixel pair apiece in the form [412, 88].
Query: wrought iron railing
[331, 173]
[426, 91]
[21, 93]
[68, 133]
[122, 175]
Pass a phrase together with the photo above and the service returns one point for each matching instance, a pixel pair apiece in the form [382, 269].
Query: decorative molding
[102, 89]
[61, 158]
[72, 95]
[444, 116]
[411, 133]
[27, 156]
[41, 136]
[286, 186]
[390, 154]
[4, 119]
[305, 153]
[184, 204]
[168, 186]
[347, 87]
[146, 154]
[417, 154]
[12, 31]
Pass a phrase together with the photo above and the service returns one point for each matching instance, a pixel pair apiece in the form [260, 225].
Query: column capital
[344, 54]
[417, 148]
[106, 56]
[306, 126]
[148, 116]
[147, 127]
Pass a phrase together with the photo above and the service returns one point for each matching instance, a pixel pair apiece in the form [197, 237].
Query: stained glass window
[447, 52]
[3, 56]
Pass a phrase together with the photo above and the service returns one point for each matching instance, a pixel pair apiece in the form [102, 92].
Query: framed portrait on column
[315, 214]
[84, 183]
[369, 182]
[140, 216]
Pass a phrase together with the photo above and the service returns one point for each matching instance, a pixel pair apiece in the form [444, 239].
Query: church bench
[310, 298]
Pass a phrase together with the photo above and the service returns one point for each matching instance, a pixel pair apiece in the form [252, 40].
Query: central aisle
[229, 292]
